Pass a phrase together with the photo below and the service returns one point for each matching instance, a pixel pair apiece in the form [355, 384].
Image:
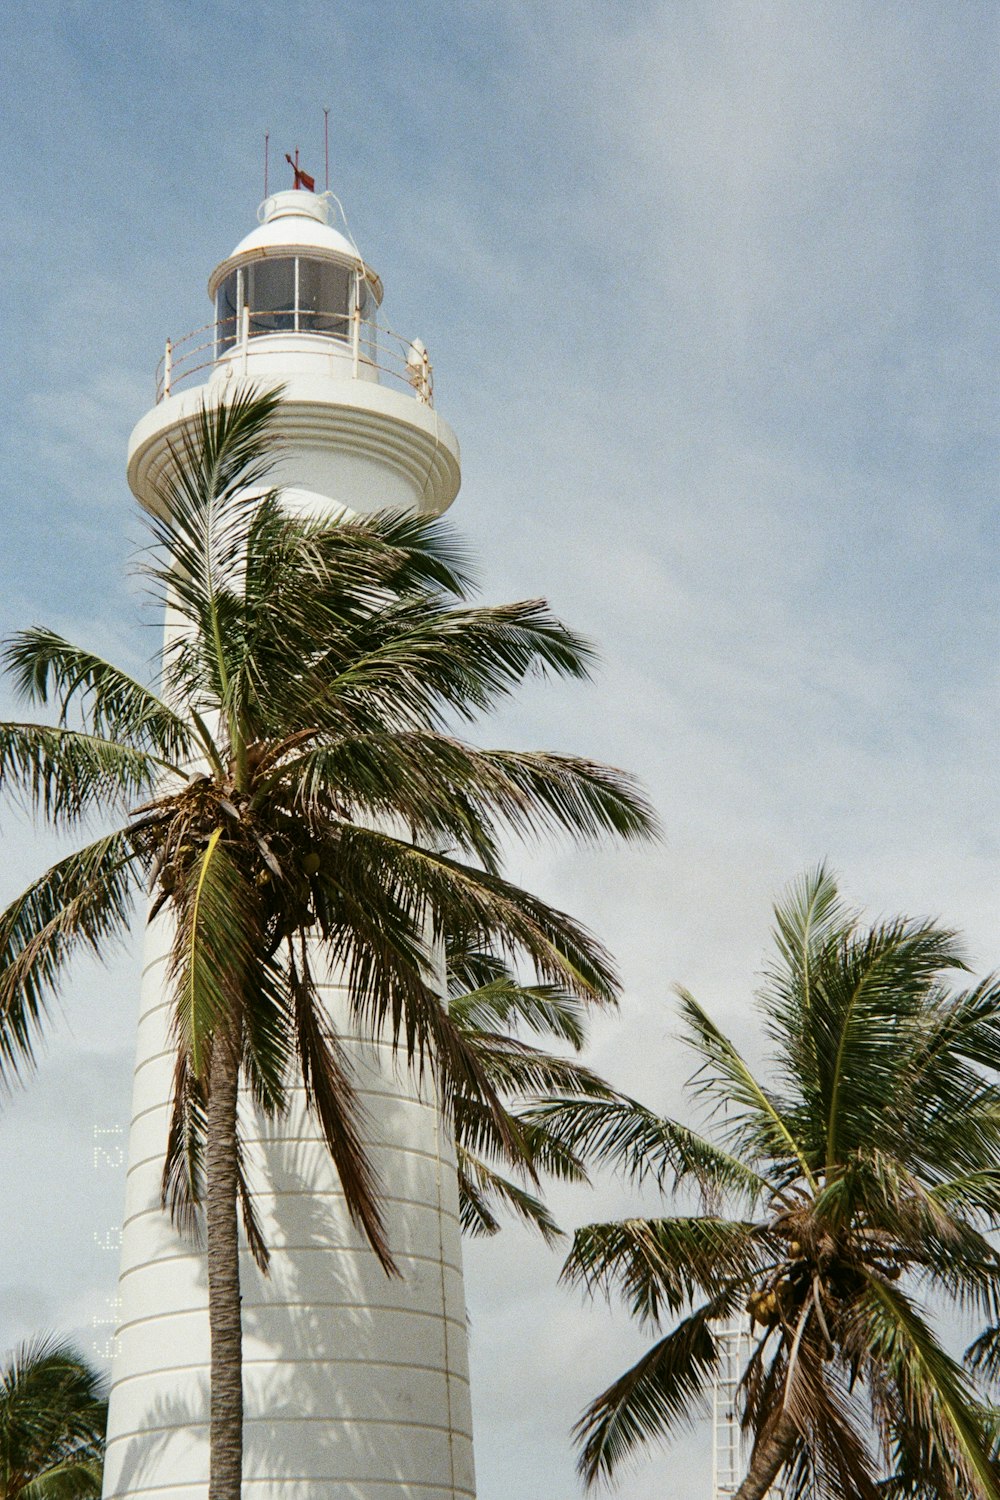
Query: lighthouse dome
[295, 223]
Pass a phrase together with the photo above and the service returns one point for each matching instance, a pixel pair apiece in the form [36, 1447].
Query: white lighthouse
[356, 1386]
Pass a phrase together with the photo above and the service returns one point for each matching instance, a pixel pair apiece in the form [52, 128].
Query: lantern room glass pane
[369, 310]
[270, 295]
[227, 311]
[325, 297]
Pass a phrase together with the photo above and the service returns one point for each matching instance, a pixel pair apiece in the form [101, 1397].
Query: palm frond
[182, 1184]
[935, 1394]
[657, 1264]
[972, 1193]
[513, 921]
[206, 499]
[416, 661]
[475, 1211]
[878, 983]
[537, 1153]
[445, 790]
[53, 1410]
[313, 592]
[758, 1123]
[217, 944]
[69, 1479]
[481, 1190]
[256, 1243]
[83, 902]
[625, 1135]
[333, 1096]
[112, 705]
[503, 1002]
[548, 1155]
[666, 1389]
[521, 1071]
[551, 794]
[809, 921]
[67, 774]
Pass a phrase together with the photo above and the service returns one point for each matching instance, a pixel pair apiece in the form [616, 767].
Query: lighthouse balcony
[277, 344]
[359, 428]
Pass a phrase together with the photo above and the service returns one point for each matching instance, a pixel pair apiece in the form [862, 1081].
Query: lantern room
[297, 307]
[295, 273]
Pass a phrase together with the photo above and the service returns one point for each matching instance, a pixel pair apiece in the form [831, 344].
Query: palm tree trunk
[221, 1191]
[767, 1460]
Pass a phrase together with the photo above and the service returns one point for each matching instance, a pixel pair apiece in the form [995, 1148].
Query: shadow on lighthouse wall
[348, 1375]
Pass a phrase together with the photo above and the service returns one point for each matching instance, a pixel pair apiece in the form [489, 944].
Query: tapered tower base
[356, 1385]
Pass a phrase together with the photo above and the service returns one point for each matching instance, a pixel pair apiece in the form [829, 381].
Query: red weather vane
[302, 179]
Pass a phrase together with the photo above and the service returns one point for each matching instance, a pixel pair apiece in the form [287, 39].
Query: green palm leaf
[519, 1069]
[661, 1265]
[84, 902]
[503, 1002]
[46, 668]
[447, 790]
[758, 1120]
[936, 1396]
[67, 774]
[53, 1412]
[456, 895]
[481, 1188]
[623, 1134]
[216, 944]
[332, 1094]
[665, 1389]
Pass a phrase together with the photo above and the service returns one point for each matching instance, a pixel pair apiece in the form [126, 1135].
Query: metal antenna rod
[326, 145]
[267, 139]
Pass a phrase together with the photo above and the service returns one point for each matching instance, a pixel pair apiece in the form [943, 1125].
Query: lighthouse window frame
[271, 294]
[324, 296]
[228, 305]
[293, 293]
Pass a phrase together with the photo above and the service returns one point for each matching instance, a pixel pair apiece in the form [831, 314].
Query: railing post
[245, 334]
[167, 362]
[356, 340]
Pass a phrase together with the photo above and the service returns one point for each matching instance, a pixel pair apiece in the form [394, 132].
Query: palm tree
[291, 796]
[53, 1412]
[859, 1180]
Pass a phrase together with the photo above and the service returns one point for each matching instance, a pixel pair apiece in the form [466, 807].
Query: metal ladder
[729, 1451]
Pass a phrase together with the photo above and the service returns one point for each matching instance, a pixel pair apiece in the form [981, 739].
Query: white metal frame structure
[734, 1344]
[729, 1451]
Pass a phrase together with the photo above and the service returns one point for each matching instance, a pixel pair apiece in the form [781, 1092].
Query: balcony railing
[365, 350]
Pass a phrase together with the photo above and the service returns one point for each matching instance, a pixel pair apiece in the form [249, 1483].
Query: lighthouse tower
[356, 1385]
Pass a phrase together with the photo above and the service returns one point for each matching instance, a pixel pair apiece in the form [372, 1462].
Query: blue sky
[710, 293]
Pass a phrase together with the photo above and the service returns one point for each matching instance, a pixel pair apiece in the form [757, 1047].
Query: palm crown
[861, 1180]
[52, 1417]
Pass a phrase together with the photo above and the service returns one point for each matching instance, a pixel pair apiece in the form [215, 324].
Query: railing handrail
[363, 341]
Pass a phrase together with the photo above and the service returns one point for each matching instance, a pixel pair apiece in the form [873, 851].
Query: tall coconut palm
[844, 1193]
[292, 794]
[53, 1412]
